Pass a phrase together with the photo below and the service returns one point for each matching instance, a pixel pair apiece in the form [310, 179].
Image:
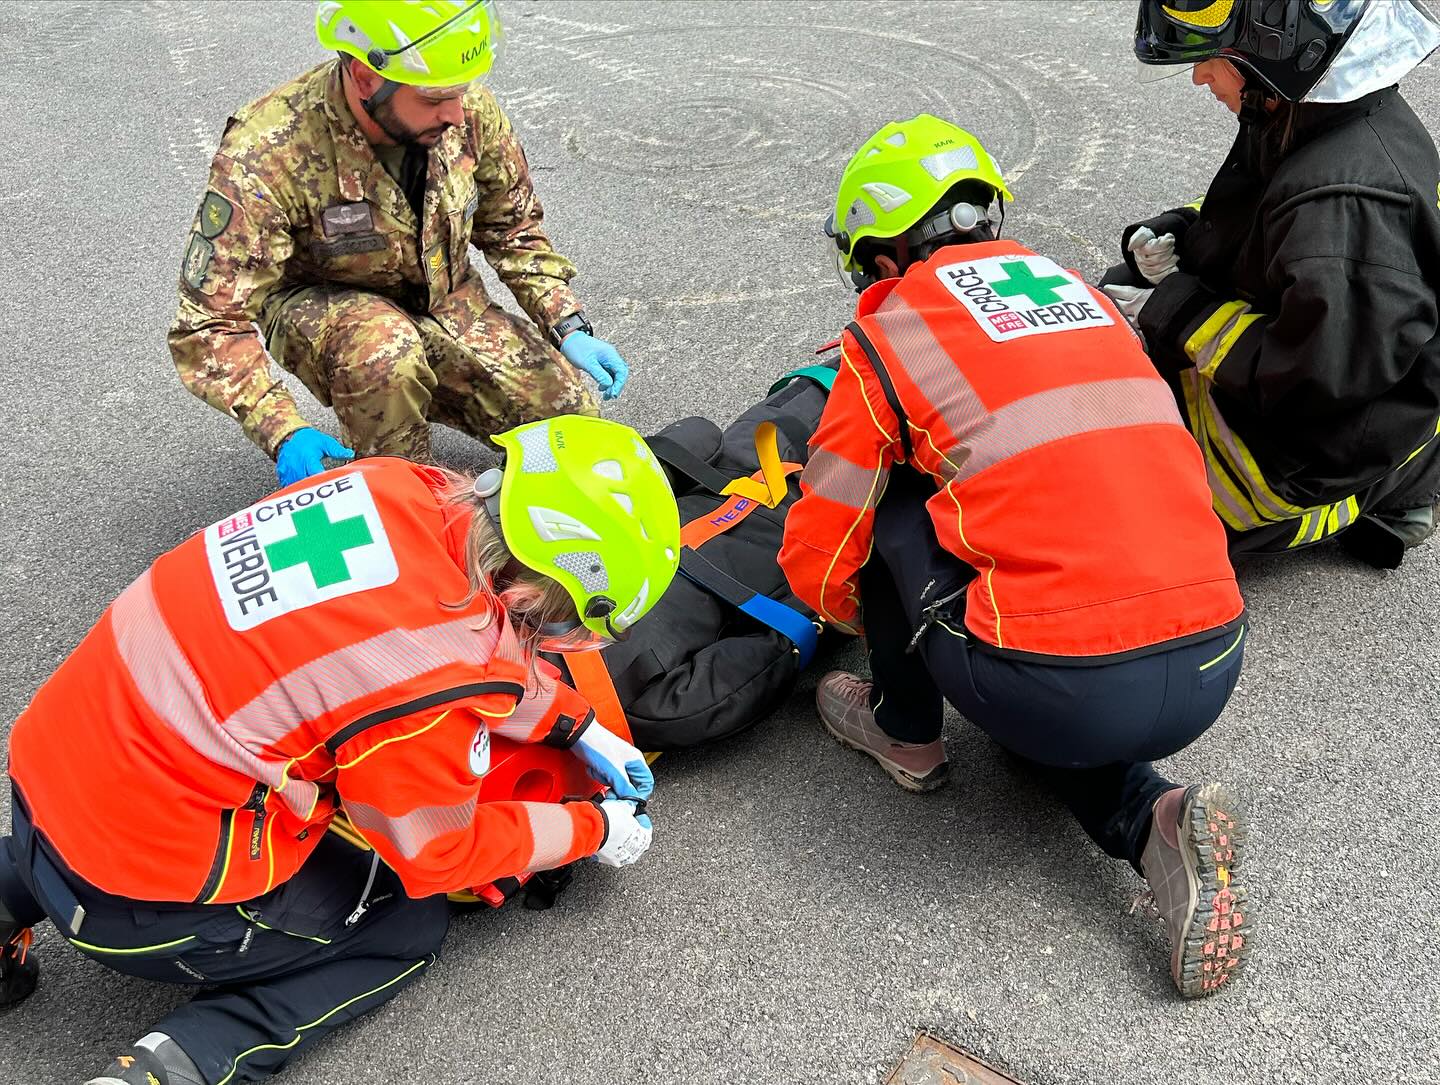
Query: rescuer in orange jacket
[1002, 495]
[354, 640]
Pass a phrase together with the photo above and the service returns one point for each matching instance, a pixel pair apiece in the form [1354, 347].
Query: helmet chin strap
[1254, 102]
[960, 224]
[383, 93]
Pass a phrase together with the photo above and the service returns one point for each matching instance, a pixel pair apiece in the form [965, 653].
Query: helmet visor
[444, 94]
[434, 54]
[1157, 73]
[837, 261]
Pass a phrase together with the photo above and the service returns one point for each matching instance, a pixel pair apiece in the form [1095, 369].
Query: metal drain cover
[934, 1062]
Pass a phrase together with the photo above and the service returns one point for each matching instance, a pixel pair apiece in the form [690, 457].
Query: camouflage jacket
[297, 197]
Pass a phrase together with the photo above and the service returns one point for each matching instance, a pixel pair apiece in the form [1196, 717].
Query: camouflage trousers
[388, 372]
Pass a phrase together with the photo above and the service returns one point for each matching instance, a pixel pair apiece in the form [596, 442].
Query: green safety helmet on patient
[898, 176]
[584, 501]
[436, 46]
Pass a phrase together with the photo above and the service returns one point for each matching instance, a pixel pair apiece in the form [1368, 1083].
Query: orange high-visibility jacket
[1065, 476]
[294, 656]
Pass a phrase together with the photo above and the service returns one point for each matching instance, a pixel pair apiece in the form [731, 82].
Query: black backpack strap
[886, 386]
[680, 459]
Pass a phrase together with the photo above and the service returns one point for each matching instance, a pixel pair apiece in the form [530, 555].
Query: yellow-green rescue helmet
[585, 502]
[434, 43]
[900, 174]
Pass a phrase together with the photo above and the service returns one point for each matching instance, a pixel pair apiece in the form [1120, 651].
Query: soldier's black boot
[154, 1060]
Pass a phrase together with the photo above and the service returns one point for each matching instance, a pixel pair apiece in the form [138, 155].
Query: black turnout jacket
[1302, 329]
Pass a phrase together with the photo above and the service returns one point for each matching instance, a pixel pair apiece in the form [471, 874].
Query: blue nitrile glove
[300, 455]
[614, 762]
[598, 358]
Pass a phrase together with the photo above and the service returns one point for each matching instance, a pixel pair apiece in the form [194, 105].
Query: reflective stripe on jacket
[1066, 477]
[297, 655]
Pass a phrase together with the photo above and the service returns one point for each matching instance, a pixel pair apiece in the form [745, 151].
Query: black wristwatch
[575, 322]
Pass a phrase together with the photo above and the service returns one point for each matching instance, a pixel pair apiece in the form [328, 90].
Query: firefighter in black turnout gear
[1294, 310]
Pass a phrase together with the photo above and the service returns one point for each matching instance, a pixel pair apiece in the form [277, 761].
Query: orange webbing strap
[765, 487]
[592, 681]
[704, 528]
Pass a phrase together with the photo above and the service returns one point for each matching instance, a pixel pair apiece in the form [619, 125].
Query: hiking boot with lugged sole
[19, 970]
[154, 1060]
[844, 703]
[1199, 890]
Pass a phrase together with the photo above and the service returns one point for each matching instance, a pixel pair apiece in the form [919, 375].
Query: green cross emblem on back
[320, 544]
[1019, 279]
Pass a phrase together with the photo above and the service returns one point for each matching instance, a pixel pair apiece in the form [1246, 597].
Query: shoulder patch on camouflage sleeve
[215, 213]
[197, 260]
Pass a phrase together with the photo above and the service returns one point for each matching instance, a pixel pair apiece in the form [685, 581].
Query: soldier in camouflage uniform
[338, 221]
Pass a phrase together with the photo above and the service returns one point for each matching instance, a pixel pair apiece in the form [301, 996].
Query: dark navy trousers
[1088, 731]
[275, 974]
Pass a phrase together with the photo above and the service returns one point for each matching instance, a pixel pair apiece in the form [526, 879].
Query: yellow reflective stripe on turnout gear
[1324, 521]
[1211, 342]
[1230, 503]
[1269, 506]
[1424, 446]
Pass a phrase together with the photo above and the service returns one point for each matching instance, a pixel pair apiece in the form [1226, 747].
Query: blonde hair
[530, 599]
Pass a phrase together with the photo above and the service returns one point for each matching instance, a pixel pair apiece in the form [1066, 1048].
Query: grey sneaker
[1199, 891]
[844, 703]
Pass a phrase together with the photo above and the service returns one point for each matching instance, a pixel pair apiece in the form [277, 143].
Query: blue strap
[787, 621]
[822, 375]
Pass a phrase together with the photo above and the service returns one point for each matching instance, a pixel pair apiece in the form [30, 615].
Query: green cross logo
[320, 544]
[1019, 279]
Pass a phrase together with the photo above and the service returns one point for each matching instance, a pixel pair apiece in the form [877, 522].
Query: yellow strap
[772, 490]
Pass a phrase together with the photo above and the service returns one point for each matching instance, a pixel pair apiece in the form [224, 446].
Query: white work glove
[627, 834]
[1154, 256]
[614, 762]
[1129, 300]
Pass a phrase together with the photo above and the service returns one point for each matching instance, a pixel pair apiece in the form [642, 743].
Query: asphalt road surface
[799, 918]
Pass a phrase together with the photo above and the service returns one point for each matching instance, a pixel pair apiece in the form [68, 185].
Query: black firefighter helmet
[1286, 44]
